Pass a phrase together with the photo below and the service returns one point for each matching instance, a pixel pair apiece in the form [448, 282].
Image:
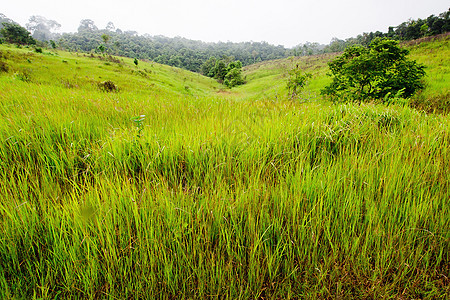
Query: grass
[240, 194]
[436, 56]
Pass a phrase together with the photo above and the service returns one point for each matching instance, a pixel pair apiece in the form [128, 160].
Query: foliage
[296, 81]
[101, 48]
[208, 67]
[53, 44]
[225, 70]
[362, 74]
[233, 77]
[16, 34]
[5, 19]
[106, 38]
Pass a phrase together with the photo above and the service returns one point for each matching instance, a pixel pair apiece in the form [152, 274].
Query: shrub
[3, 66]
[23, 76]
[108, 86]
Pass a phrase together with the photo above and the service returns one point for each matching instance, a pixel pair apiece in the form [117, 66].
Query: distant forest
[192, 55]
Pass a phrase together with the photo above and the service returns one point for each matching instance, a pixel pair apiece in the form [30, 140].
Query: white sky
[281, 22]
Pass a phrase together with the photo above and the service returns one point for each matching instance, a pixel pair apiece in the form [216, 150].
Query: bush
[3, 66]
[108, 86]
[23, 76]
[378, 72]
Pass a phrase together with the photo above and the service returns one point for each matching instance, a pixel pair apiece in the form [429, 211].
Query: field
[175, 187]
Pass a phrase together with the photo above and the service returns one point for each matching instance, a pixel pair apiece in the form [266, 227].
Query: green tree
[220, 70]
[16, 34]
[105, 38]
[53, 44]
[207, 68]
[5, 19]
[377, 72]
[296, 81]
[233, 77]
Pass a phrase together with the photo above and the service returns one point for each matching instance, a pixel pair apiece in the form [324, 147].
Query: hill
[173, 187]
[268, 79]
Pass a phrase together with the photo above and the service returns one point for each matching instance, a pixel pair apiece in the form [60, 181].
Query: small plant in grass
[296, 81]
[23, 76]
[139, 123]
[136, 62]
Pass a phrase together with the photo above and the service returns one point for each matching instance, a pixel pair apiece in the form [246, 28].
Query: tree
[53, 44]
[110, 27]
[377, 72]
[105, 38]
[87, 25]
[207, 68]
[220, 70]
[296, 81]
[233, 77]
[5, 19]
[41, 28]
[16, 34]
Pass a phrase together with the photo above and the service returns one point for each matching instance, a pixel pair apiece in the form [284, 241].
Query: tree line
[406, 31]
[178, 52]
[193, 55]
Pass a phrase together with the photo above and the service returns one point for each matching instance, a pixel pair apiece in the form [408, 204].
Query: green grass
[240, 194]
[435, 56]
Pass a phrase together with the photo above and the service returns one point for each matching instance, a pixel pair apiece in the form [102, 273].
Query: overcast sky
[279, 22]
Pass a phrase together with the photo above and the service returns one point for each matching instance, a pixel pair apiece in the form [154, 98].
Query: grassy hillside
[173, 188]
[83, 72]
[268, 79]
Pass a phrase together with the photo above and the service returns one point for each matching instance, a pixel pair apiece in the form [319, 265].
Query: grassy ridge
[212, 195]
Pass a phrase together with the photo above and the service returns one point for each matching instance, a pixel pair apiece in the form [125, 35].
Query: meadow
[176, 187]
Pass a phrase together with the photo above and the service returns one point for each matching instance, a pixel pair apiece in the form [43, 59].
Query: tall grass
[218, 197]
